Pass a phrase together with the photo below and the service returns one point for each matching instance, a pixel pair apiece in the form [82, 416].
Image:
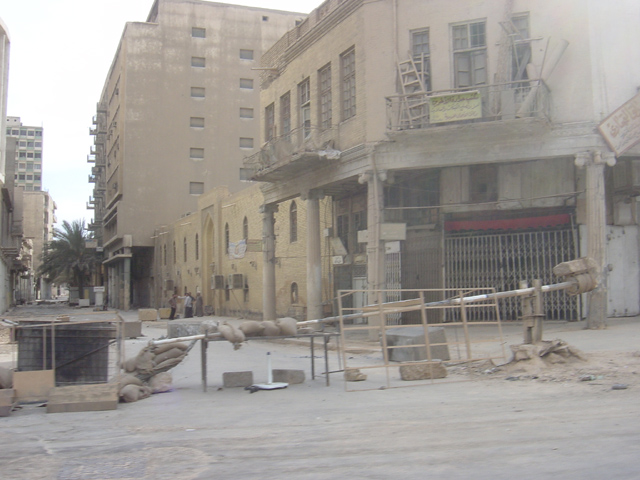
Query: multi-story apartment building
[459, 142]
[28, 161]
[177, 114]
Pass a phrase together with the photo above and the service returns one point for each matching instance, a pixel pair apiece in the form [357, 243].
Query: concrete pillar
[269, 262]
[127, 283]
[314, 257]
[594, 164]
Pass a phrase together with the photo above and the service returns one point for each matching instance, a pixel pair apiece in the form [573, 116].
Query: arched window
[175, 253]
[226, 237]
[164, 254]
[293, 222]
[294, 293]
[184, 243]
[197, 248]
[245, 228]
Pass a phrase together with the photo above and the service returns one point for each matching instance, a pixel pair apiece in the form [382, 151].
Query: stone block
[186, 327]
[84, 302]
[423, 371]
[83, 398]
[132, 329]
[147, 315]
[7, 396]
[164, 313]
[237, 379]
[407, 336]
[33, 386]
[292, 377]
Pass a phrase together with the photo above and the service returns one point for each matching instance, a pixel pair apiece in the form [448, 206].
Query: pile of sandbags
[283, 327]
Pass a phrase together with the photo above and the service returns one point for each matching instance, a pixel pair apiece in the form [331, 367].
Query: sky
[61, 51]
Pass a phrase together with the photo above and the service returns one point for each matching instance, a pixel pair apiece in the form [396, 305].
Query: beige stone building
[28, 161]
[459, 143]
[177, 114]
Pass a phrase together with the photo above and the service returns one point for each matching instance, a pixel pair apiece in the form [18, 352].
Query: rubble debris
[619, 386]
[546, 353]
[354, 375]
[423, 371]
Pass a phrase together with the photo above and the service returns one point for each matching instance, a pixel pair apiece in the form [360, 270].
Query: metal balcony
[483, 103]
[93, 131]
[91, 158]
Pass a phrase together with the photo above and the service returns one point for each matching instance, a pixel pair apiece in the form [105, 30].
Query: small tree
[66, 258]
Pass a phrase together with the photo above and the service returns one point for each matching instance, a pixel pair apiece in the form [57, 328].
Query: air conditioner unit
[235, 281]
[217, 282]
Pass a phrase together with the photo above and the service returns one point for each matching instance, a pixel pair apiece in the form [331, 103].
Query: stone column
[268, 261]
[127, 283]
[596, 216]
[314, 257]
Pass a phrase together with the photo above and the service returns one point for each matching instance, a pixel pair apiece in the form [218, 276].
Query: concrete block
[164, 313]
[83, 398]
[406, 336]
[84, 302]
[33, 386]
[237, 379]
[147, 315]
[291, 377]
[423, 371]
[132, 329]
[7, 396]
[184, 327]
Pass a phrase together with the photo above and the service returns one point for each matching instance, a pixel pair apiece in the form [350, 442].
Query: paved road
[486, 428]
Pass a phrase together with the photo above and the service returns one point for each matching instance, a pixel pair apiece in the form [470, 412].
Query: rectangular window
[285, 114]
[324, 84]
[246, 54]
[246, 83]
[23, 131]
[37, 166]
[348, 64]
[304, 100]
[269, 122]
[196, 153]
[21, 176]
[246, 112]
[30, 177]
[197, 92]
[421, 56]
[38, 155]
[198, 62]
[469, 54]
[246, 142]
[29, 154]
[15, 132]
[31, 133]
[38, 133]
[29, 167]
[521, 53]
[22, 166]
[197, 32]
[483, 183]
[37, 178]
[38, 144]
[196, 122]
[196, 188]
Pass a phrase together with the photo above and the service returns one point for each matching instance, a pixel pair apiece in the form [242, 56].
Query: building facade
[177, 114]
[459, 143]
[28, 161]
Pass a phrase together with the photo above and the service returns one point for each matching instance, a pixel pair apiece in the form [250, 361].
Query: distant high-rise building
[28, 161]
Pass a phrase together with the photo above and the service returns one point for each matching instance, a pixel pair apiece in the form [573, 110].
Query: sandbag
[160, 383]
[144, 360]
[168, 364]
[270, 329]
[173, 353]
[227, 333]
[251, 328]
[6, 378]
[125, 379]
[144, 392]
[130, 365]
[130, 393]
[288, 326]
[160, 349]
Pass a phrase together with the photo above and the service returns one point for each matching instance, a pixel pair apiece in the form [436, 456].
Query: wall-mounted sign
[621, 129]
[455, 106]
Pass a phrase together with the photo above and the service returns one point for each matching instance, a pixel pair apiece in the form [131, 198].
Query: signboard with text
[454, 107]
[621, 129]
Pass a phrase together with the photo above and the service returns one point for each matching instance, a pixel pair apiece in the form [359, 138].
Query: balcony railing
[483, 103]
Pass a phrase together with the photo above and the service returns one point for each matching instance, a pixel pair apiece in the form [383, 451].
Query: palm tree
[66, 258]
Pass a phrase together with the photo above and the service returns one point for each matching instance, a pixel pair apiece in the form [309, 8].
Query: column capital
[268, 208]
[315, 194]
[595, 158]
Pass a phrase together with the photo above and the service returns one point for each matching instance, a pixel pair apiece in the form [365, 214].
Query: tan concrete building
[459, 143]
[177, 114]
[28, 161]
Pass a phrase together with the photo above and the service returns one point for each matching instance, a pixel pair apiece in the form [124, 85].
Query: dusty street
[510, 423]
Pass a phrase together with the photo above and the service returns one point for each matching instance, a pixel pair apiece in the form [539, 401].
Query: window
[324, 83]
[30, 177]
[469, 54]
[343, 229]
[226, 237]
[198, 62]
[421, 55]
[38, 155]
[246, 83]
[196, 188]
[196, 122]
[31, 133]
[23, 131]
[197, 32]
[285, 114]
[22, 166]
[29, 166]
[184, 246]
[196, 153]
[304, 99]
[245, 229]
[348, 63]
[21, 176]
[197, 247]
[246, 112]
[269, 122]
[15, 132]
[483, 183]
[37, 166]
[38, 144]
[293, 222]
[246, 142]
[521, 53]
[294, 293]
[22, 144]
[246, 54]
[197, 92]
[38, 133]
[29, 154]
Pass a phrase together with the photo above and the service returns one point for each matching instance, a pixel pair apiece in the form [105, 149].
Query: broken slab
[404, 337]
[237, 379]
[289, 376]
[83, 398]
[423, 371]
[184, 327]
[7, 397]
